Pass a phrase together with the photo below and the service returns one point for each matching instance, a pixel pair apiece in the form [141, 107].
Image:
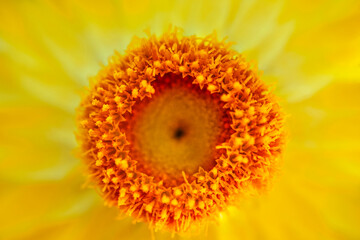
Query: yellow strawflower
[298, 59]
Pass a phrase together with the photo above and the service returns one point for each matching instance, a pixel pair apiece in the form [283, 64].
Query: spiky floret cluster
[250, 154]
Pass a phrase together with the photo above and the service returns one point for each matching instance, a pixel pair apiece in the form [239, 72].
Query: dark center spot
[179, 133]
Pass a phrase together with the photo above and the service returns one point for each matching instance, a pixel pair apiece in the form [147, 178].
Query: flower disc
[177, 129]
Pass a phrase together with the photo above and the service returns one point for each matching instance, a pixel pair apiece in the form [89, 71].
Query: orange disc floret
[248, 146]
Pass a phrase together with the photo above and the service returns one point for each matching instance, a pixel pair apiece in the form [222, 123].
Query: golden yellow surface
[308, 49]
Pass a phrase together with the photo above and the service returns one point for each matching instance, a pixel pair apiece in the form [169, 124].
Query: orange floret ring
[245, 159]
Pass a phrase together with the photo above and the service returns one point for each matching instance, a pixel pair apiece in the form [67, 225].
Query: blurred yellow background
[308, 50]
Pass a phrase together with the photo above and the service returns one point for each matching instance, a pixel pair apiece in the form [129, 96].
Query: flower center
[177, 131]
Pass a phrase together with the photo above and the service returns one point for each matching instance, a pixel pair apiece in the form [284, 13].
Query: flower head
[48, 50]
[178, 128]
